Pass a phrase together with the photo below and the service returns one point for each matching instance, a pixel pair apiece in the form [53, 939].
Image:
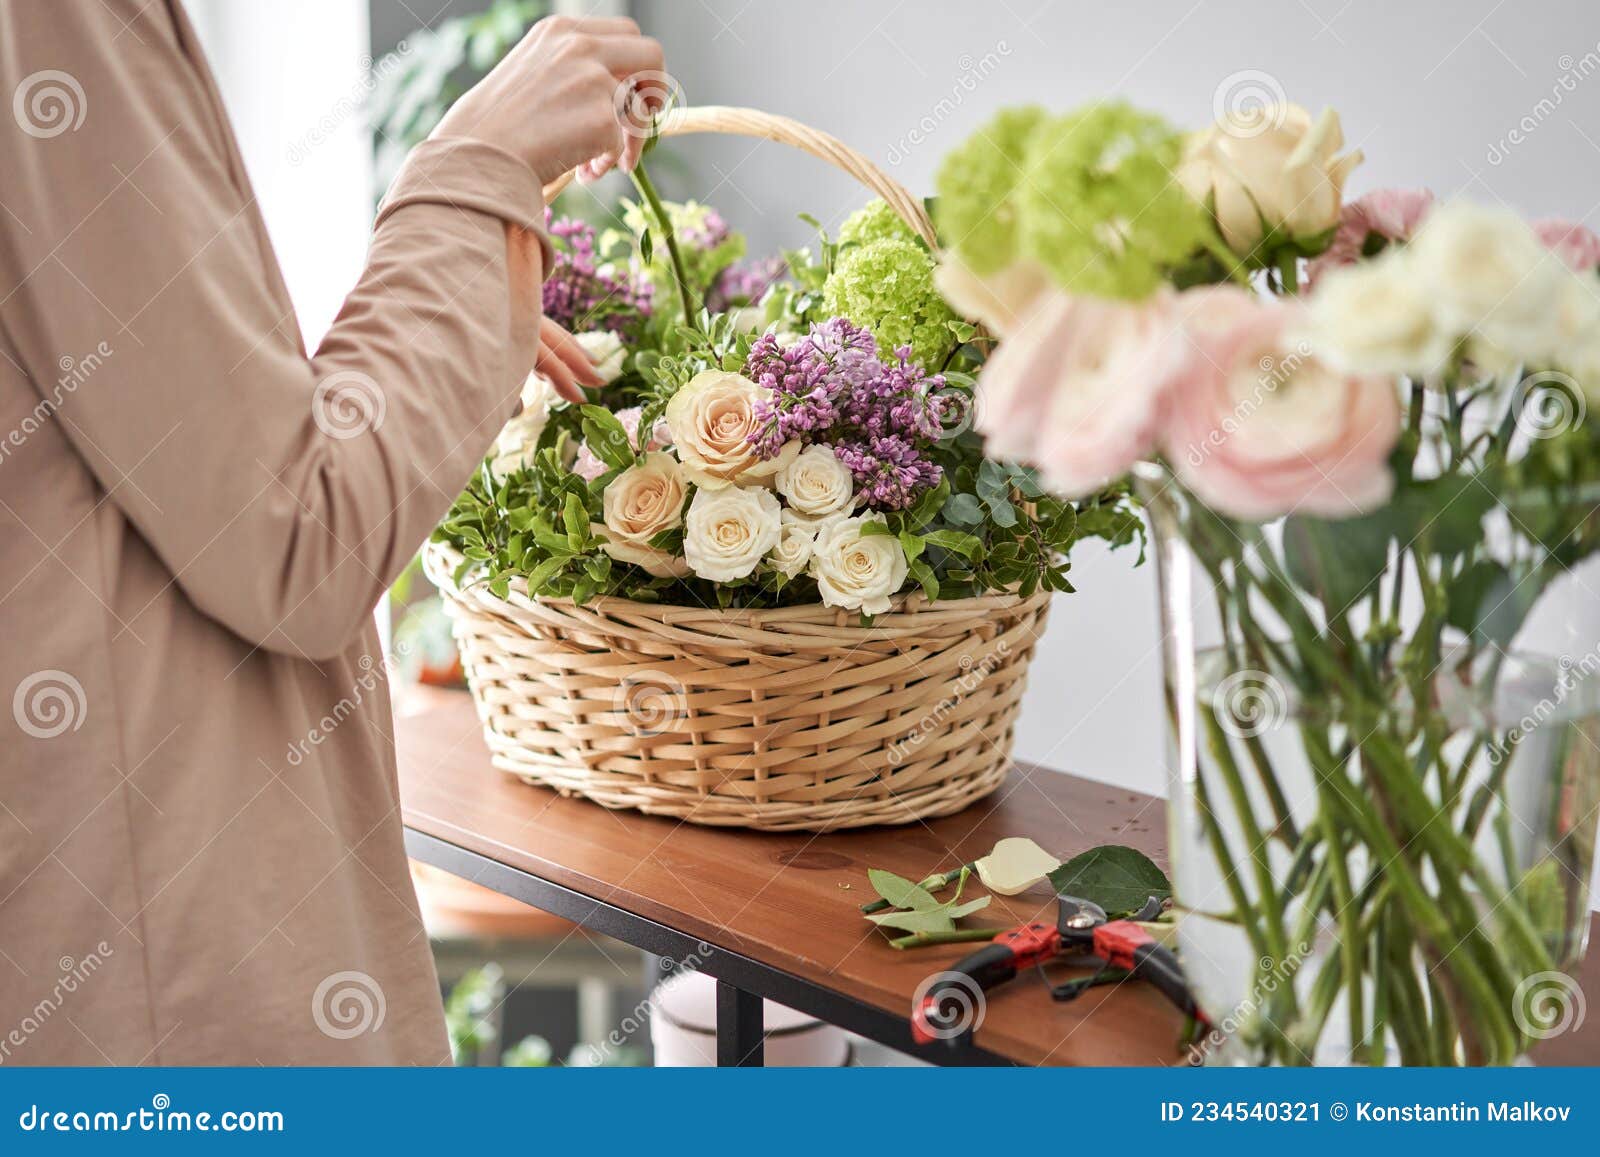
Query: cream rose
[605, 351]
[712, 419]
[816, 483]
[855, 571]
[645, 499]
[1269, 168]
[793, 551]
[649, 558]
[729, 531]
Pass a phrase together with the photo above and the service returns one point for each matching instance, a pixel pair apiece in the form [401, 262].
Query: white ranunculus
[605, 351]
[712, 418]
[645, 499]
[855, 571]
[1378, 317]
[1490, 278]
[1002, 301]
[793, 551]
[816, 483]
[729, 531]
[1269, 168]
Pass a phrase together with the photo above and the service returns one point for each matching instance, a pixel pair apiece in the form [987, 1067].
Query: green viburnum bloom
[976, 212]
[887, 286]
[1098, 204]
[874, 221]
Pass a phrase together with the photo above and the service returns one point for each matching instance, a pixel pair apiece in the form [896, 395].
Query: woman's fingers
[565, 362]
[628, 56]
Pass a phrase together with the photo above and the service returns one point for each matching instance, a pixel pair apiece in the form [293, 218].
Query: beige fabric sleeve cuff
[475, 175]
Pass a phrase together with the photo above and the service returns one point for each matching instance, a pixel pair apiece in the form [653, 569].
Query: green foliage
[416, 85]
[886, 285]
[1119, 879]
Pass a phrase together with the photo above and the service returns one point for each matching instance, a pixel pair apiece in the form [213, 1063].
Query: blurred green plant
[437, 65]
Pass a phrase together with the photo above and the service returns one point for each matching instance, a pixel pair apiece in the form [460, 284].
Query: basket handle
[749, 122]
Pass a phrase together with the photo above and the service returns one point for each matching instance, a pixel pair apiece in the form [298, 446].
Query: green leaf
[900, 892]
[966, 545]
[1338, 561]
[913, 545]
[921, 920]
[576, 519]
[606, 437]
[964, 510]
[923, 573]
[1485, 603]
[1119, 879]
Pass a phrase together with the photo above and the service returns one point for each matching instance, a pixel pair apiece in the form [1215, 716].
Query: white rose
[712, 419]
[816, 483]
[1002, 301]
[729, 531]
[1489, 276]
[645, 499]
[1269, 168]
[793, 551]
[605, 351]
[857, 572]
[517, 443]
[1378, 317]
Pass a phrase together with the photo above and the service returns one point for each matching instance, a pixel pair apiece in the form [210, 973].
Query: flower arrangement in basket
[768, 577]
[1360, 430]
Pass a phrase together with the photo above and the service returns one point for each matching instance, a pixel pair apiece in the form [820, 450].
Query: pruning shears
[1081, 929]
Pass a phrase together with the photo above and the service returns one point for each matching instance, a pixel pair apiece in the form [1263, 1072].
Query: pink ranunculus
[1076, 389]
[1393, 214]
[1575, 244]
[1257, 427]
[588, 467]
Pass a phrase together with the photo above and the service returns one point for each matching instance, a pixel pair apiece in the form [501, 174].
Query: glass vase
[1383, 815]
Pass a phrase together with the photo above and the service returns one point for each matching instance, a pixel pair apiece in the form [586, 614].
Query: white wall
[1430, 89]
[293, 74]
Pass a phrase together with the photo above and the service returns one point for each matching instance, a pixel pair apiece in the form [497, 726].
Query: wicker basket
[784, 719]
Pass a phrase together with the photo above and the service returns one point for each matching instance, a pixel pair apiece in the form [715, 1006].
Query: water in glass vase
[1383, 881]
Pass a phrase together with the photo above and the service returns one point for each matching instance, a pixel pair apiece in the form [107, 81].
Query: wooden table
[775, 915]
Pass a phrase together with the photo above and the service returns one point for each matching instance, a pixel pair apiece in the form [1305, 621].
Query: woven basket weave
[783, 719]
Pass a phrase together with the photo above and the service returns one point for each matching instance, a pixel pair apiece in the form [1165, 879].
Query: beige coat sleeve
[283, 492]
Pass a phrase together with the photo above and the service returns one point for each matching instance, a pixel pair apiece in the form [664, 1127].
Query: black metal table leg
[740, 1028]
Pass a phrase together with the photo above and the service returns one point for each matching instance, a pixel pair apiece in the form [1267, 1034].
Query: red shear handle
[1123, 944]
[945, 1004]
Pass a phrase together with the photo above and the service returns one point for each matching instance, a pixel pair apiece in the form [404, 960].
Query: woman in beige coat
[200, 845]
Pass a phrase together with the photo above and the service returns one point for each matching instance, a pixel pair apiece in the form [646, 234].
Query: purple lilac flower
[745, 282]
[706, 232]
[831, 387]
[579, 293]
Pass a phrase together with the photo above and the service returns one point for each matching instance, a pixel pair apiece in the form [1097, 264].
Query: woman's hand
[556, 100]
[565, 362]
